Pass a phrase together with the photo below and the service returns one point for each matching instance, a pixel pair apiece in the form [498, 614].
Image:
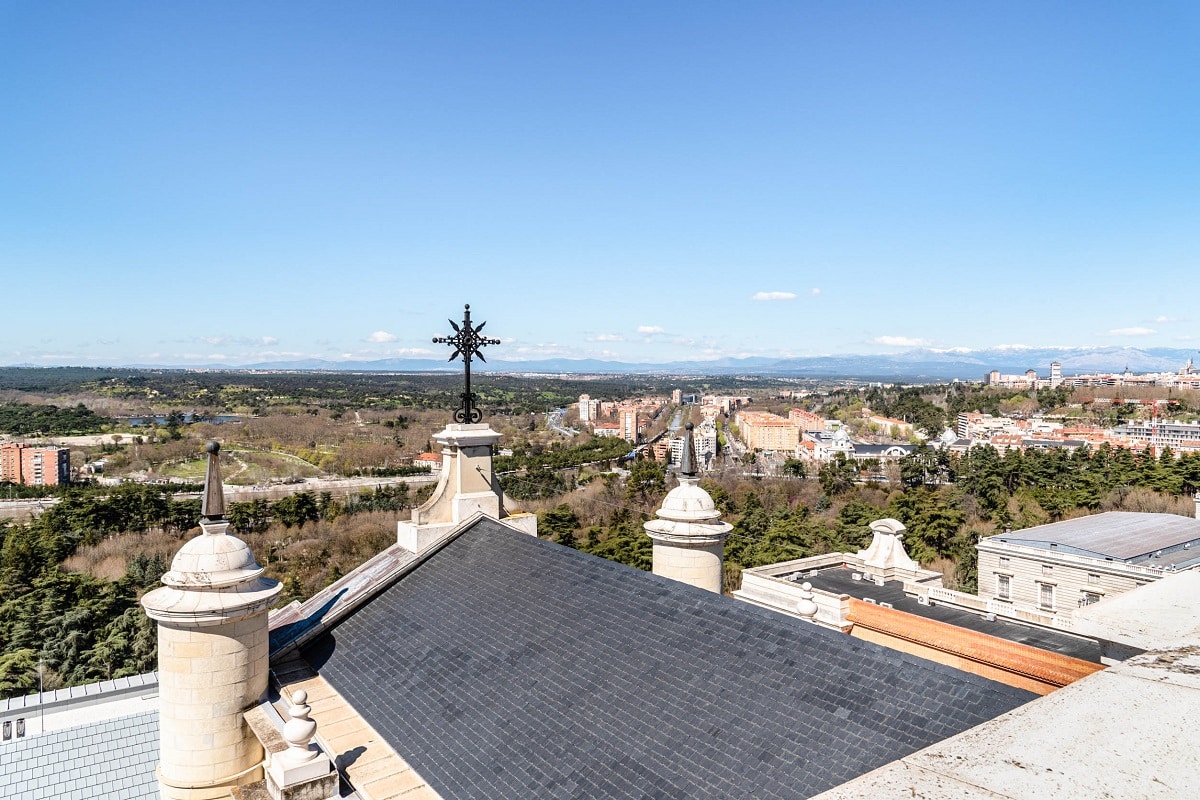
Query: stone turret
[212, 656]
[689, 537]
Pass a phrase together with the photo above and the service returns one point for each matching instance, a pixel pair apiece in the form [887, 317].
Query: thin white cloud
[1136, 330]
[815, 291]
[225, 339]
[606, 337]
[381, 337]
[393, 352]
[650, 330]
[899, 341]
[773, 296]
[543, 349]
[280, 354]
[1162, 320]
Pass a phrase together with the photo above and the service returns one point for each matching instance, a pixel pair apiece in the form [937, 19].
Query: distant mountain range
[912, 365]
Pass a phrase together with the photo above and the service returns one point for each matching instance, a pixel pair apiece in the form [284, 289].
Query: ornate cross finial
[467, 343]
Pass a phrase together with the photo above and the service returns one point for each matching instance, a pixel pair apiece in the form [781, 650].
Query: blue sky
[237, 182]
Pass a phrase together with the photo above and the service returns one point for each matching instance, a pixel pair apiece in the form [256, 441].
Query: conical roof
[214, 576]
[688, 513]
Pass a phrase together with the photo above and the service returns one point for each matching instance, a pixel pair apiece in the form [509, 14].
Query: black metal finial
[467, 343]
[212, 502]
[687, 462]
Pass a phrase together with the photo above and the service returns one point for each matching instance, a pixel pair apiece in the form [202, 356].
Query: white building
[589, 409]
[1048, 571]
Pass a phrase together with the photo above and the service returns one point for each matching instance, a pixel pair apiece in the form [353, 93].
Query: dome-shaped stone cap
[212, 560]
[687, 502]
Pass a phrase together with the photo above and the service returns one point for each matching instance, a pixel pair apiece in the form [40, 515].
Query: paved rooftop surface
[839, 580]
[110, 759]
[1131, 731]
[1122, 535]
[506, 666]
[1162, 611]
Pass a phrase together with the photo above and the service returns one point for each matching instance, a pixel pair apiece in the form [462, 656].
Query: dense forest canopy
[26, 419]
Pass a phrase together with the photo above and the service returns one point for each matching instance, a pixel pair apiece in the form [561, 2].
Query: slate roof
[1124, 535]
[108, 759]
[505, 666]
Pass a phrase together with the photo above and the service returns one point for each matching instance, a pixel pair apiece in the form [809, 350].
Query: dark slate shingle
[509, 667]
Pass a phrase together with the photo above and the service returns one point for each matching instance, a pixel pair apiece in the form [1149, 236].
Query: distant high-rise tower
[585, 408]
[677, 396]
[629, 426]
[1055, 374]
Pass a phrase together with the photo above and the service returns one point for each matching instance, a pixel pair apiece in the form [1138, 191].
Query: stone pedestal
[317, 781]
[886, 557]
[467, 486]
[302, 771]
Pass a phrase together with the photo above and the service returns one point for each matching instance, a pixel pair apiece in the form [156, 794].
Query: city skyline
[224, 184]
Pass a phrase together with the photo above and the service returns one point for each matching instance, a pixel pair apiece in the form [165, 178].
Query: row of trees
[533, 456]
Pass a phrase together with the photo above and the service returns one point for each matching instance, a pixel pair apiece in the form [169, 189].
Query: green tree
[647, 482]
[559, 523]
[295, 510]
[795, 468]
[292, 589]
[18, 672]
[837, 476]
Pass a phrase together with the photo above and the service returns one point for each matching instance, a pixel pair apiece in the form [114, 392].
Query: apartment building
[34, 465]
[589, 409]
[763, 431]
[888, 426]
[1179, 436]
[628, 420]
[726, 403]
[807, 420]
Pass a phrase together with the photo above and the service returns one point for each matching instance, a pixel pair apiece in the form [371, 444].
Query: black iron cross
[466, 341]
